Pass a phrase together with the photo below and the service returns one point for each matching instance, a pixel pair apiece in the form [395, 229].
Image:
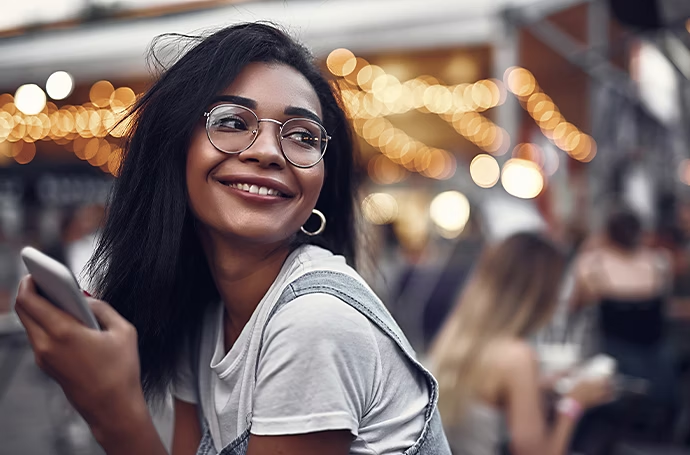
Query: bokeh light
[100, 93]
[121, 99]
[30, 99]
[522, 178]
[380, 208]
[450, 212]
[341, 62]
[25, 152]
[520, 81]
[59, 85]
[485, 171]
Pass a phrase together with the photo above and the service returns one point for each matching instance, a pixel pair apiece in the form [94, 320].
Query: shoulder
[588, 261]
[321, 314]
[514, 357]
[660, 256]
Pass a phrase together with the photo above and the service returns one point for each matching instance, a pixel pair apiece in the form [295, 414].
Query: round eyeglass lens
[231, 128]
[304, 141]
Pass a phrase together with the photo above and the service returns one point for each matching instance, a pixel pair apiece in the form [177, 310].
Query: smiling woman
[269, 340]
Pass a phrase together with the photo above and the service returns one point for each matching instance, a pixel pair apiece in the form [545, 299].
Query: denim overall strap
[432, 440]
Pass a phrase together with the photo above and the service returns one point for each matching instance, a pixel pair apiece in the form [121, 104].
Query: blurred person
[628, 285]
[489, 379]
[270, 341]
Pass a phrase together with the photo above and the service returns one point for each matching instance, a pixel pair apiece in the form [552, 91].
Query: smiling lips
[254, 189]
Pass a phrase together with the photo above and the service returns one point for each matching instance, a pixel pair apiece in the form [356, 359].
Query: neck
[243, 273]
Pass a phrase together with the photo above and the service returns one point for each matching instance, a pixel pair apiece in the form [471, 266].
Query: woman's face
[272, 91]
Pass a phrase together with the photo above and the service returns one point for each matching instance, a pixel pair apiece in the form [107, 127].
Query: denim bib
[432, 440]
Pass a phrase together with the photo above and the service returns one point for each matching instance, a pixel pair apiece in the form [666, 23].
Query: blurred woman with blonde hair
[488, 373]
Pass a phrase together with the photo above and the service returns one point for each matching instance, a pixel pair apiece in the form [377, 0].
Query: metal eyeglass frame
[255, 133]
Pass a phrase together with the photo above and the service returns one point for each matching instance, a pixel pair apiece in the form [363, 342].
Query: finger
[38, 338]
[50, 318]
[34, 331]
[107, 316]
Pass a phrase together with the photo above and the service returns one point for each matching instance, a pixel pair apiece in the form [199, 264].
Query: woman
[626, 285]
[271, 342]
[488, 373]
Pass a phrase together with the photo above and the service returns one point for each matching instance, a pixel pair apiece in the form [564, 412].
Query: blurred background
[475, 120]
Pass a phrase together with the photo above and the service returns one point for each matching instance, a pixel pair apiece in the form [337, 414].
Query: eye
[229, 124]
[301, 136]
[305, 135]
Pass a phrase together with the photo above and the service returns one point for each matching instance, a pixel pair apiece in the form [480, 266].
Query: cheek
[197, 164]
[313, 184]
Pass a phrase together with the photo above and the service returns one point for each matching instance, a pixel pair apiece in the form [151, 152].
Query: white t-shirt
[323, 366]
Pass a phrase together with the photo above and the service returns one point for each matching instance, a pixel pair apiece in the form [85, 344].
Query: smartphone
[57, 284]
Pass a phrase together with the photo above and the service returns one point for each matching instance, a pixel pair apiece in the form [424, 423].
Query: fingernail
[86, 293]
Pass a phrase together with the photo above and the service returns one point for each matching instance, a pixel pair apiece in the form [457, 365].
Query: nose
[265, 151]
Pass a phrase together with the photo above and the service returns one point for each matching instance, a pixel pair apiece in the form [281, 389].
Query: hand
[592, 392]
[547, 382]
[98, 370]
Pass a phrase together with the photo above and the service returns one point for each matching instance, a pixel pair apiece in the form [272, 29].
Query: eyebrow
[251, 104]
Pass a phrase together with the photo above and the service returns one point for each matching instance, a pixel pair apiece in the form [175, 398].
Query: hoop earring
[321, 228]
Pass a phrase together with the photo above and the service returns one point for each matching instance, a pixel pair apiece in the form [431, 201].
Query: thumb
[107, 317]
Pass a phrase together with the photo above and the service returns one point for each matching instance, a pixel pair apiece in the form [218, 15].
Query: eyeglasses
[232, 128]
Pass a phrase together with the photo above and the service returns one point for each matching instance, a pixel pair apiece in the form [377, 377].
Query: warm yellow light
[91, 149]
[352, 77]
[438, 99]
[5, 98]
[563, 130]
[367, 76]
[483, 95]
[571, 141]
[14, 149]
[114, 161]
[6, 125]
[500, 144]
[371, 106]
[30, 99]
[373, 128]
[18, 130]
[341, 62]
[450, 211]
[10, 108]
[529, 152]
[100, 93]
[422, 159]
[121, 127]
[384, 171]
[520, 81]
[26, 153]
[101, 156]
[66, 121]
[121, 99]
[484, 170]
[34, 128]
[441, 163]
[522, 178]
[585, 150]
[380, 208]
[59, 85]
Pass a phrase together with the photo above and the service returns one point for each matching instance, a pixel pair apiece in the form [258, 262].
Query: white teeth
[255, 189]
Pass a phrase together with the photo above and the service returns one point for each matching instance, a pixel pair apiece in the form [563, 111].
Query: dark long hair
[624, 228]
[149, 264]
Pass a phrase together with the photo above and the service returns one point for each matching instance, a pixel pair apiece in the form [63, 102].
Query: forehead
[275, 87]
